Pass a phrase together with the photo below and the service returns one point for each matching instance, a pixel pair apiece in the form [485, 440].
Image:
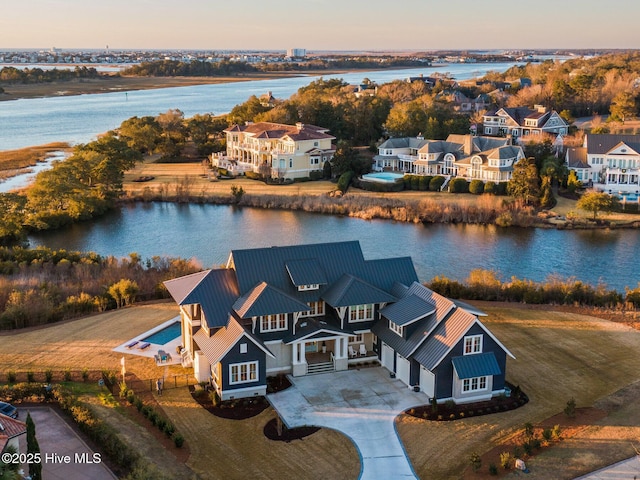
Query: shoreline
[117, 83]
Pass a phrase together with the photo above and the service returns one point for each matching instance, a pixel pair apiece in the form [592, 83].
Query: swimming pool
[383, 177]
[164, 336]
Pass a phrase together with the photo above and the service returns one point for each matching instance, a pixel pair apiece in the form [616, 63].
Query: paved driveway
[64, 455]
[363, 405]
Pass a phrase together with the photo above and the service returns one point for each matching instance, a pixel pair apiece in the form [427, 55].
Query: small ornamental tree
[596, 202]
[570, 409]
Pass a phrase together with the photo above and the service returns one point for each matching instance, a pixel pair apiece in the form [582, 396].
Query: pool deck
[133, 345]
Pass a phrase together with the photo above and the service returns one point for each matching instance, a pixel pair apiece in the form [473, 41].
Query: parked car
[8, 410]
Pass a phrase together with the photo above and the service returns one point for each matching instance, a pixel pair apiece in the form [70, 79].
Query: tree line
[41, 285]
[12, 75]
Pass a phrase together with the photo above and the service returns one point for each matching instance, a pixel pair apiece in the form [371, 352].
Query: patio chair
[363, 350]
[352, 352]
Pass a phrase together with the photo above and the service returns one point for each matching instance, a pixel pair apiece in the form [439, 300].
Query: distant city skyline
[319, 25]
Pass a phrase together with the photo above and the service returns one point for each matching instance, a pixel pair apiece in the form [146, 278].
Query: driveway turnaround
[64, 455]
[624, 470]
[363, 405]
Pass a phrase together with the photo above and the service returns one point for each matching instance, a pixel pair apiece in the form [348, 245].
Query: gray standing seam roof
[306, 272]
[265, 299]
[408, 310]
[350, 290]
[215, 290]
[603, 143]
[477, 365]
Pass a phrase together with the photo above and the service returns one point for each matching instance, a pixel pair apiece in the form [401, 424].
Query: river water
[78, 119]
[208, 232]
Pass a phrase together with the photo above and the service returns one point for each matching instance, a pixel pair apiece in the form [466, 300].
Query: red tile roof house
[318, 308]
[10, 432]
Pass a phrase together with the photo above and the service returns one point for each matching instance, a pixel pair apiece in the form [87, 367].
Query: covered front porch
[329, 354]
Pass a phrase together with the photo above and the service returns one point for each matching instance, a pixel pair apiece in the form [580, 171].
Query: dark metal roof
[408, 310]
[306, 272]
[265, 299]
[223, 339]
[601, 144]
[478, 365]
[350, 290]
[215, 290]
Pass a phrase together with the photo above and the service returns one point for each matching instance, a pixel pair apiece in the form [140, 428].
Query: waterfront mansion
[276, 150]
[466, 156]
[610, 163]
[319, 308]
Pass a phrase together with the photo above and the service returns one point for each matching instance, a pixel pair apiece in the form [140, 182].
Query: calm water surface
[207, 233]
[78, 119]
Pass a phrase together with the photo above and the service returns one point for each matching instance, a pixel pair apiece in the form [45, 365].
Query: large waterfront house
[466, 156]
[609, 163]
[309, 309]
[274, 149]
[523, 121]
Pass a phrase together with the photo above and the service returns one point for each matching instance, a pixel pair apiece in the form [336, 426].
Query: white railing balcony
[407, 158]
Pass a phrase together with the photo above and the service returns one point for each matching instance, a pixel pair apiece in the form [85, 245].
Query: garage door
[387, 357]
[402, 369]
[427, 382]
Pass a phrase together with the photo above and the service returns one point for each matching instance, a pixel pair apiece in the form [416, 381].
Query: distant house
[310, 309]
[467, 156]
[610, 162]
[522, 122]
[279, 150]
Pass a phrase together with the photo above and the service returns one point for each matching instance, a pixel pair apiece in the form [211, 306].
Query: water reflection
[209, 232]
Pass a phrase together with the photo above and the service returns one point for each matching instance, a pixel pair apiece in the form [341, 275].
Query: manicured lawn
[559, 356]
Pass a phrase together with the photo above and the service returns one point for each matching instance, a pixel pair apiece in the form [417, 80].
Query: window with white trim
[474, 384]
[472, 344]
[361, 313]
[317, 309]
[272, 323]
[243, 372]
[356, 339]
[243, 348]
[311, 286]
[399, 329]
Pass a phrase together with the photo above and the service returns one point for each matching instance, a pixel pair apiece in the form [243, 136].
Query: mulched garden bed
[288, 434]
[450, 411]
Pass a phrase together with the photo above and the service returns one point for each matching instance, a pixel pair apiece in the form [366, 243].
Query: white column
[345, 344]
[303, 358]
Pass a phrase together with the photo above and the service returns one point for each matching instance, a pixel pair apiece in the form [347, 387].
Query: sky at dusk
[319, 24]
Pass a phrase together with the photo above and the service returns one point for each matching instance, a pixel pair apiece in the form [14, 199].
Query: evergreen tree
[35, 469]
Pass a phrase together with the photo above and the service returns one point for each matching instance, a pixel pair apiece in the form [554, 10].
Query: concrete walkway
[625, 470]
[362, 404]
[64, 455]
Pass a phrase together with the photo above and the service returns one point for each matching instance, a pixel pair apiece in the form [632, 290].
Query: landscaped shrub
[556, 432]
[138, 404]
[476, 461]
[505, 460]
[11, 376]
[570, 409]
[546, 434]
[476, 187]
[178, 440]
[423, 183]
[493, 470]
[169, 429]
[458, 185]
[30, 377]
[501, 188]
[67, 375]
[85, 374]
[436, 183]
[490, 188]
[316, 175]
[415, 182]
[253, 175]
[48, 375]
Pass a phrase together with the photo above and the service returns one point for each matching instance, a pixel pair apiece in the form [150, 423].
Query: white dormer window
[311, 286]
[396, 328]
[316, 309]
[472, 344]
[272, 323]
[361, 313]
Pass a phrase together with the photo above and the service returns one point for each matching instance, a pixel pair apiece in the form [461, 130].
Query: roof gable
[604, 143]
[408, 310]
[218, 345]
[267, 300]
[350, 290]
[306, 271]
[215, 291]
[625, 149]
